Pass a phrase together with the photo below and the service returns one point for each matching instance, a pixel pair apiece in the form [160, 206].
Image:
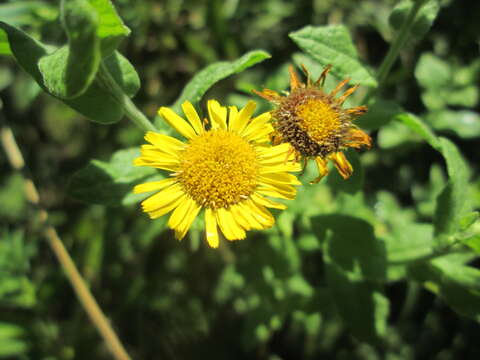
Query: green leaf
[423, 21]
[11, 342]
[473, 242]
[352, 246]
[353, 257]
[333, 45]
[463, 123]
[355, 182]
[123, 73]
[457, 284]
[111, 29]
[97, 103]
[69, 71]
[380, 113]
[4, 45]
[213, 73]
[415, 124]
[111, 183]
[453, 202]
[432, 72]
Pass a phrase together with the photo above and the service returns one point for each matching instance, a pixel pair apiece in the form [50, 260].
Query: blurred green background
[266, 297]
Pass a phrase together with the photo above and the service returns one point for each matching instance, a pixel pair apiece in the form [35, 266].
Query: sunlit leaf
[213, 73]
[332, 44]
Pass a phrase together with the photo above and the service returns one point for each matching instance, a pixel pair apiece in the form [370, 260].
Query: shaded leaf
[355, 182]
[353, 258]
[380, 113]
[111, 183]
[333, 45]
[457, 284]
[453, 201]
[69, 71]
[423, 21]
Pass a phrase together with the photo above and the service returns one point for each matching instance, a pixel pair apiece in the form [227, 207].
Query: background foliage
[384, 265]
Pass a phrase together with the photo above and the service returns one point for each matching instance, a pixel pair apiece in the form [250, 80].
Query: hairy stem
[131, 111]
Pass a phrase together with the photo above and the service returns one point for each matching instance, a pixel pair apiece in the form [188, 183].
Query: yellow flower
[228, 170]
[314, 123]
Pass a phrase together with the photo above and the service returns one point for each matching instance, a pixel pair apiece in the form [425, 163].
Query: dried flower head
[315, 124]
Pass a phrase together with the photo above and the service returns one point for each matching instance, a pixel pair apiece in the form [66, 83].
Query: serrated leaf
[333, 45]
[423, 20]
[110, 183]
[213, 73]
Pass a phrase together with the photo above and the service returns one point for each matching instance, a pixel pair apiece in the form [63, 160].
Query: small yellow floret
[318, 120]
[218, 169]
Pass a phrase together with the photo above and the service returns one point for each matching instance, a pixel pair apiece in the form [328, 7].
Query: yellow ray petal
[211, 230]
[277, 191]
[277, 152]
[342, 164]
[245, 212]
[154, 152]
[217, 114]
[261, 135]
[192, 117]
[228, 225]
[164, 142]
[180, 212]
[232, 116]
[258, 122]
[259, 199]
[261, 214]
[155, 214]
[243, 117]
[282, 167]
[177, 122]
[153, 185]
[169, 165]
[187, 222]
[282, 178]
[162, 198]
[239, 216]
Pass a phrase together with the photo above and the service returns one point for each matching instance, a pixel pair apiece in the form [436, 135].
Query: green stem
[131, 111]
[395, 48]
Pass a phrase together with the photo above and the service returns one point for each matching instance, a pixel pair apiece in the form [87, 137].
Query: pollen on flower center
[318, 119]
[218, 169]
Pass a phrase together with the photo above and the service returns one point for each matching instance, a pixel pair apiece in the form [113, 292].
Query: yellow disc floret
[218, 169]
[318, 119]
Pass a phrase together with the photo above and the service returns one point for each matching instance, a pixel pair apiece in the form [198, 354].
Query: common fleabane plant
[232, 164]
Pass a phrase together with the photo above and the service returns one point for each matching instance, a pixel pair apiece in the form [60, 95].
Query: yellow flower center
[218, 169]
[318, 119]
